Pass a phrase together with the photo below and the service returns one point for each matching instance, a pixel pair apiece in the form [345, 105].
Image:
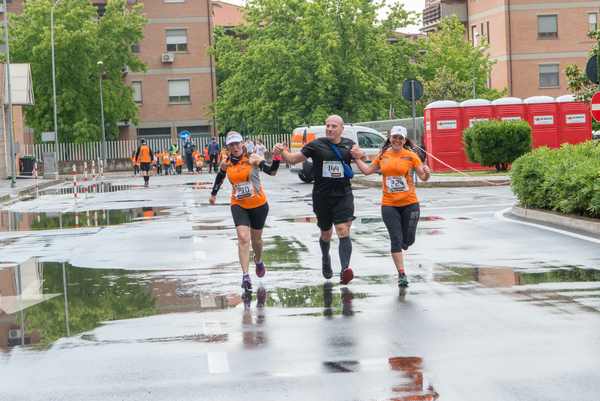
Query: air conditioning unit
[125, 70]
[14, 334]
[168, 57]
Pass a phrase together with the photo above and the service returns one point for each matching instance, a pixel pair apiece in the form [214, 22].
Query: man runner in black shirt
[333, 202]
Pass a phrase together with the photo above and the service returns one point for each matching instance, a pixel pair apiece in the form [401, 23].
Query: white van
[367, 138]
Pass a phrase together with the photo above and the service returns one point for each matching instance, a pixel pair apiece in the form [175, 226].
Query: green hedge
[566, 180]
[497, 143]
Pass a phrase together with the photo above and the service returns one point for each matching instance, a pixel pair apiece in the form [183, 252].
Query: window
[547, 26]
[474, 34]
[369, 140]
[549, 76]
[135, 48]
[179, 91]
[177, 40]
[592, 22]
[136, 87]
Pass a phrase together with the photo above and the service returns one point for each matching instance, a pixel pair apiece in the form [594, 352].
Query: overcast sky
[412, 5]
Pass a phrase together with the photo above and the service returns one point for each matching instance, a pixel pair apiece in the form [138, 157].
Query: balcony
[440, 9]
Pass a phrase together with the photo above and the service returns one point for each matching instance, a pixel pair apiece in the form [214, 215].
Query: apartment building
[227, 15]
[176, 91]
[531, 41]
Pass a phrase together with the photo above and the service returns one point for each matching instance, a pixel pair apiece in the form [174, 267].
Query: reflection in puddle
[92, 187]
[281, 253]
[300, 219]
[558, 287]
[15, 221]
[43, 302]
[253, 327]
[415, 387]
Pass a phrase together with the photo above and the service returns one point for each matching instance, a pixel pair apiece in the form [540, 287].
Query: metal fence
[124, 149]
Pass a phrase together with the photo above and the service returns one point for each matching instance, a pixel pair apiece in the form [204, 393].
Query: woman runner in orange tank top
[249, 206]
[399, 203]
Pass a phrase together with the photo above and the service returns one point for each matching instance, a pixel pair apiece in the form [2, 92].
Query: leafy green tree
[451, 67]
[81, 40]
[297, 61]
[497, 143]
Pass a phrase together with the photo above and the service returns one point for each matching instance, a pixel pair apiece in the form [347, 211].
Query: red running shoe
[346, 276]
[260, 269]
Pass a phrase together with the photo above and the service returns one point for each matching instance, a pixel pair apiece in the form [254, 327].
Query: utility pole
[9, 114]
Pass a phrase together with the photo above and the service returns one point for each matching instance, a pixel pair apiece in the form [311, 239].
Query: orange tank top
[144, 156]
[247, 190]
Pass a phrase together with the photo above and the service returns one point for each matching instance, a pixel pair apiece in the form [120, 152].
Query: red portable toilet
[443, 135]
[472, 112]
[574, 120]
[509, 109]
[542, 115]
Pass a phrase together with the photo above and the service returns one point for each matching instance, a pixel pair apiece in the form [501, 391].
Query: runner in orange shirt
[144, 157]
[399, 203]
[249, 206]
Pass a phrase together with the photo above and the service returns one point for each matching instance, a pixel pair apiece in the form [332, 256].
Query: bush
[566, 180]
[497, 143]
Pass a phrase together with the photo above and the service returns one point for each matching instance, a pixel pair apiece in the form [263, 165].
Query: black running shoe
[402, 280]
[326, 269]
[246, 282]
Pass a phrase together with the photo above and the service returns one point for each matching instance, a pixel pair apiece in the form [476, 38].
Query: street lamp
[100, 65]
[54, 4]
[9, 120]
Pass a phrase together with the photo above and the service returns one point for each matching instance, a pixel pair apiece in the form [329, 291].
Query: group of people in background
[171, 161]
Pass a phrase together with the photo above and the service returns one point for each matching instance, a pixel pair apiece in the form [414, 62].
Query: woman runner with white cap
[249, 206]
[399, 203]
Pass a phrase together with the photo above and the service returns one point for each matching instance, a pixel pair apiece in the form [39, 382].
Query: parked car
[367, 138]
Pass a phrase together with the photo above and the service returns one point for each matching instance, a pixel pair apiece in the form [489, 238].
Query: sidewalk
[23, 186]
[441, 181]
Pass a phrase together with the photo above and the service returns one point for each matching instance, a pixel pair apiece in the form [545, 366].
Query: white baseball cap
[398, 130]
[233, 137]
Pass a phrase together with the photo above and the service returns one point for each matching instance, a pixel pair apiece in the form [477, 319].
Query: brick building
[531, 41]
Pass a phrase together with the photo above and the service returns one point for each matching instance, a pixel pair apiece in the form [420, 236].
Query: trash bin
[26, 164]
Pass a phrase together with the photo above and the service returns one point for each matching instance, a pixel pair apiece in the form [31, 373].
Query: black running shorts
[253, 218]
[332, 210]
[145, 166]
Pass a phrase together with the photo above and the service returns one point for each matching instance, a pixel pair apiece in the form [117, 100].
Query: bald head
[334, 127]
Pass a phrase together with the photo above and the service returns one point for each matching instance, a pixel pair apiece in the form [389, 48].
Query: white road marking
[500, 216]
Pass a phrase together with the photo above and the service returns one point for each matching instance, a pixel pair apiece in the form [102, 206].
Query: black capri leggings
[401, 223]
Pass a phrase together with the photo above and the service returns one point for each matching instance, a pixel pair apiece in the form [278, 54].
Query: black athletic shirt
[321, 154]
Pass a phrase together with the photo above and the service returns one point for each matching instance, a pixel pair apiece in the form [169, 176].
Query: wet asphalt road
[134, 295]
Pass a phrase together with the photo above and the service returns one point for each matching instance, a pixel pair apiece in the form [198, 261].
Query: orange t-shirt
[247, 190]
[166, 160]
[398, 186]
[178, 161]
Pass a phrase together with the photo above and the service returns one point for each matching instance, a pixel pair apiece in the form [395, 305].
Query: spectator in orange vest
[178, 163]
[144, 157]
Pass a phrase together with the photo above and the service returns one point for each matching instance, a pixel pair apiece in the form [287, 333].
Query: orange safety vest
[144, 155]
[178, 160]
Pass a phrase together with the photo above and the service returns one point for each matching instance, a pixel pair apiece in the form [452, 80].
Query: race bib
[333, 169]
[396, 184]
[242, 190]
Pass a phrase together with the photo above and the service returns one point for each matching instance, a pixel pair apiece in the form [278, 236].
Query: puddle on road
[43, 302]
[282, 253]
[91, 187]
[560, 287]
[16, 221]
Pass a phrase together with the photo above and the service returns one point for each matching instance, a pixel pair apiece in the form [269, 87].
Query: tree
[81, 40]
[299, 61]
[451, 67]
[578, 82]
[497, 143]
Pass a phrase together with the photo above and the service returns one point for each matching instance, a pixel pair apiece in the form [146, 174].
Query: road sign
[183, 135]
[596, 106]
[48, 136]
[412, 88]
[591, 69]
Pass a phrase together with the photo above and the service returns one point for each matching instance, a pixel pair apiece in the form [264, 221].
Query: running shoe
[402, 280]
[326, 269]
[246, 283]
[346, 275]
[260, 269]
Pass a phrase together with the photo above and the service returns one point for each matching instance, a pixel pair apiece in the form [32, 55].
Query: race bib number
[333, 169]
[243, 190]
[396, 184]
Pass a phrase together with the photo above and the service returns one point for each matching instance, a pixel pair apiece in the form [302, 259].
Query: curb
[565, 221]
[440, 184]
[29, 190]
